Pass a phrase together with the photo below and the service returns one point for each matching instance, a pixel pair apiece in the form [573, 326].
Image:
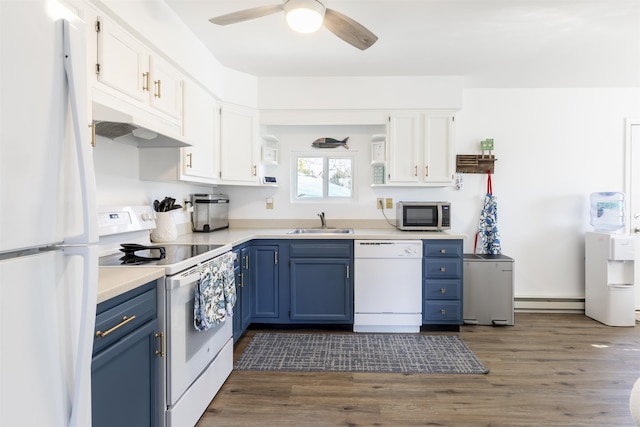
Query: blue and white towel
[488, 224]
[215, 293]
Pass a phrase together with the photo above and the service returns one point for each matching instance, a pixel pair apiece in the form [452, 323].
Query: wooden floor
[548, 369]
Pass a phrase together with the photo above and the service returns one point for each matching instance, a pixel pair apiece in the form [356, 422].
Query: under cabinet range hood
[136, 128]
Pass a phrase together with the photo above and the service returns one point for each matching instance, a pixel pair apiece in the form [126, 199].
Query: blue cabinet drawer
[442, 248]
[321, 249]
[444, 312]
[443, 289]
[115, 322]
[444, 268]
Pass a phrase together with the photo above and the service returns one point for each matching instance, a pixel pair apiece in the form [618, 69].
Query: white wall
[555, 147]
[117, 182]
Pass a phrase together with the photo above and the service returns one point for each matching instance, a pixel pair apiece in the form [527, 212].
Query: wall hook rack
[475, 163]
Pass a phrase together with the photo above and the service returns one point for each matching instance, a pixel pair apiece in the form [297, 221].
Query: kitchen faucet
[322, 220]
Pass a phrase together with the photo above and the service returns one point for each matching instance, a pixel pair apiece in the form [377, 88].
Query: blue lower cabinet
[124, 381]
[264, 272]
[442, 282]
[126, 361]
[321, 290]
[321, 281]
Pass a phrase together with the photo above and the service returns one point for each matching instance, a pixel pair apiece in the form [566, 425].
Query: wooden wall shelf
[475, 163]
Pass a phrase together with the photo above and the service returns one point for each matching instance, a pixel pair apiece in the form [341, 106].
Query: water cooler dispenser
[609, 276]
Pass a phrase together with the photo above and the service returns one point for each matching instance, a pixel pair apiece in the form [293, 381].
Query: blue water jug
[607, 211]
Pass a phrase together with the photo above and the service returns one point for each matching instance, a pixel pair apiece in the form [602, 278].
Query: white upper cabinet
[239, 145]
[127, 67]
[439, 151]
[166, 87]
[200, 162]
[122, 62]
[403, 143]
[420, 149]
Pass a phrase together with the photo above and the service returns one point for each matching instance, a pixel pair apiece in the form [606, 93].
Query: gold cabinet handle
[442, 269]
[241, 283]
[190, 162]
[158, 85]
[93, 134]
[443, 311]
[125, 320]
[443, 290]
[161, 351]
[145, 81]
[443, 251]
[255, 170]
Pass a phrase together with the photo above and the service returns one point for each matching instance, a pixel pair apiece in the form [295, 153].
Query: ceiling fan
[307, 16]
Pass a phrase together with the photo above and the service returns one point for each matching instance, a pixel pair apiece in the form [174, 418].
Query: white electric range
[196, 363]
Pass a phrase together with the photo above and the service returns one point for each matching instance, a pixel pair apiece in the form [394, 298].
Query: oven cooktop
[171, 256]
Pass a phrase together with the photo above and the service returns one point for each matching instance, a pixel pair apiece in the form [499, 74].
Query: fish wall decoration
[330, 143]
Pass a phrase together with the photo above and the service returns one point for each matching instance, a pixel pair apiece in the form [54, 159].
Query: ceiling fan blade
[247, 14]
[349, 30]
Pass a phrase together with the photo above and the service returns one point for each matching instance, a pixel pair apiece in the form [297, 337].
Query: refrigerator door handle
[74, 44]
[81, 400]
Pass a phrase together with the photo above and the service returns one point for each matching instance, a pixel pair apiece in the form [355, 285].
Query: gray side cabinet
[488, 290]
[125, 365]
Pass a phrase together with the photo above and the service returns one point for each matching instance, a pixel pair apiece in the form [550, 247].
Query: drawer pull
[442, 269]
[443, 311]
[443, 290]
[443, 251]
[125, 320]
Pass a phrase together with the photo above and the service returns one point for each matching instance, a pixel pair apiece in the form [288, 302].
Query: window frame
[351, 156]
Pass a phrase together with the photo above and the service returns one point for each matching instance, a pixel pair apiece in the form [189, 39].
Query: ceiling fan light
[304, 16]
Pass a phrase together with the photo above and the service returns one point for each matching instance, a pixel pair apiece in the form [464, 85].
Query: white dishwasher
[387, 286]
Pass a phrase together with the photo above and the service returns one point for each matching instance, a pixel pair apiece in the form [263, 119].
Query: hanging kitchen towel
[228, 277]
[215, 293]
[488, 225]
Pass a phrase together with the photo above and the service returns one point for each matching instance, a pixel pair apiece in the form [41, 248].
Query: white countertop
[114, 281]
[236, 236]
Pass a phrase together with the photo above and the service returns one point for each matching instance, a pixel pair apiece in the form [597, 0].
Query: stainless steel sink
[321, 231]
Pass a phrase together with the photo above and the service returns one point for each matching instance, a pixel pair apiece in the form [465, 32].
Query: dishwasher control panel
[387, 249]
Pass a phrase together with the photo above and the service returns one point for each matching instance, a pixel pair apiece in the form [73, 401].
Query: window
[323, 177]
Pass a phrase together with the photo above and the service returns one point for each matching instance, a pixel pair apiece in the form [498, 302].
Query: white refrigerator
[48, 222]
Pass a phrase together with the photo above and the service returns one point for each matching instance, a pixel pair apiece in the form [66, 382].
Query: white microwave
[423, 216]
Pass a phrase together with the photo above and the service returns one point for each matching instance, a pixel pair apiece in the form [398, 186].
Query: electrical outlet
[269, 202]
[380, 203]
[389, 203]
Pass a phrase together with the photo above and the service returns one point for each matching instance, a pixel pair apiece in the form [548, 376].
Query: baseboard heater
[548, 305]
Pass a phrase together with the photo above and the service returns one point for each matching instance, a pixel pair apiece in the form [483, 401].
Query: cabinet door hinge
[97, 26]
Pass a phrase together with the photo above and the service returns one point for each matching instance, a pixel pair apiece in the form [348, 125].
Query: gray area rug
[403, 353]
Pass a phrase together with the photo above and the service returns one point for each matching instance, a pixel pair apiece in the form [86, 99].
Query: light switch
[269, 202]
